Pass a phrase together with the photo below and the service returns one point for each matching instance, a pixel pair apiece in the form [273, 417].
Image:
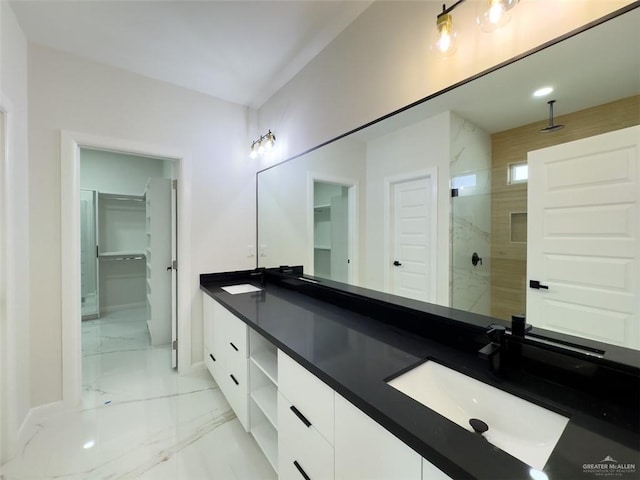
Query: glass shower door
[88, 254]
[471, 242]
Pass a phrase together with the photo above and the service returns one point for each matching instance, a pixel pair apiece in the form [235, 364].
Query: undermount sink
[242, 288]
[520, 428]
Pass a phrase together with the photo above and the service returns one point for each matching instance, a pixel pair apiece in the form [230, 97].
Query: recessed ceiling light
[89, 445]
[541, 92]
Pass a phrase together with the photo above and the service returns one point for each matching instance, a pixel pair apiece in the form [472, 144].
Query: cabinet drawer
[212, 365]
[236, 333]
[236, 391]
[303, 445]
[310, 396]
[366, 450]
[237, 366]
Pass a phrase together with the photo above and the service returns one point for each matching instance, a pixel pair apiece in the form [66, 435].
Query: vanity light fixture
[496, 15]
[262, 144]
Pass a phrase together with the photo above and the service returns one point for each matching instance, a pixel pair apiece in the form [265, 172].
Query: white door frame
[70, 143]
[432, 174]
[8, 428]
[353, 219]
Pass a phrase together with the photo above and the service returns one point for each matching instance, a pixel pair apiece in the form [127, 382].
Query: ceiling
[239, 51]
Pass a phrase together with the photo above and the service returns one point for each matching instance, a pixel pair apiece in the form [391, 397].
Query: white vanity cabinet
[305, 423]
[365, 450]
[226, 355]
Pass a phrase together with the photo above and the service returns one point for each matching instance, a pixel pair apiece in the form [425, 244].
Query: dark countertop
[354, 354]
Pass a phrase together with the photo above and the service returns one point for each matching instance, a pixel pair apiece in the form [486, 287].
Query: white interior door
[174, 273]
[583, 246]
[411, 239]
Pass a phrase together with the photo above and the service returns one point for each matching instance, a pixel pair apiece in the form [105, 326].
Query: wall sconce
[262, 144]
[493, 17]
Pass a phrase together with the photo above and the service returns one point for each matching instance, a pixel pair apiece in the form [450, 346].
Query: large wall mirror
[477, 199]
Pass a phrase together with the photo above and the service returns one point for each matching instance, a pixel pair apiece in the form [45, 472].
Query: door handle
[537, 285]
[396, 263]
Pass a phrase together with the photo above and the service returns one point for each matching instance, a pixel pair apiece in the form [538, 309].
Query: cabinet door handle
[302, 472]
[302, 418]
[234, 379]
[234, 347]
[212, 357]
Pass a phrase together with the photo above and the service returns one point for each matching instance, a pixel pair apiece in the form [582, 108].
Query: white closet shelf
[267, 438]
[266, 399]
[266, 360]
[123, 253]
[123, 197]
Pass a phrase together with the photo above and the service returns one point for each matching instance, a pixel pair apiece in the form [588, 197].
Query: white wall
[14, 191]
[73, 94]
[415, 148]
[381, 63]
[112, 172]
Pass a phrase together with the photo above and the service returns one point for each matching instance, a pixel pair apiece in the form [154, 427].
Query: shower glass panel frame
[471, 241]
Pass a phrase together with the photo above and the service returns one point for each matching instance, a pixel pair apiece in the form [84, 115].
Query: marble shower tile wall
[471, 217]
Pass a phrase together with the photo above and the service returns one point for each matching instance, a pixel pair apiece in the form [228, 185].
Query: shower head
[551, 127]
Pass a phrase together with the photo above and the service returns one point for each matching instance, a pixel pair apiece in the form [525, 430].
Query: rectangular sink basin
[243, 288]
[520, 428]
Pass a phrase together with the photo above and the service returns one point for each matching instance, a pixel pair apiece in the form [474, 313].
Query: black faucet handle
[519, 325]
[496, 333]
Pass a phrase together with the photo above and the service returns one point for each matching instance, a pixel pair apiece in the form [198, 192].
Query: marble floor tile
[139, 419]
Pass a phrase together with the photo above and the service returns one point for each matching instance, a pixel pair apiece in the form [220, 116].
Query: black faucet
[494, 350]
[258, 272]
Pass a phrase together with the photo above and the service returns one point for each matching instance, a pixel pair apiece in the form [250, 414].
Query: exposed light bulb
[260, 147]
[445, 41]
[495, 13]
[269, 140]
[495, 16]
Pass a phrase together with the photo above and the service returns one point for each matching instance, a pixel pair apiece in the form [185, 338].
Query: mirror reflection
[483, 198]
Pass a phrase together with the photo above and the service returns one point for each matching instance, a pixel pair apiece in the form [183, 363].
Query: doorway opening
[333, 230]
[176, 164]
[126, 254]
